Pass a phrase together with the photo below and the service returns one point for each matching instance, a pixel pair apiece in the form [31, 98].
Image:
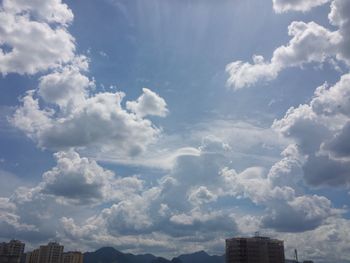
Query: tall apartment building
[72, 257]
[254, 250]
[32, 257]
[11, 252]
[50, 253]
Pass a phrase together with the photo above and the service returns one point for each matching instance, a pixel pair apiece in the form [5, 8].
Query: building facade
[50, 253]
[254, 250]
[32, 257]
[11, 252]
[72, 257]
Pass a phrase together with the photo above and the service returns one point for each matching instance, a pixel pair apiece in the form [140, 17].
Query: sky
[167, 126]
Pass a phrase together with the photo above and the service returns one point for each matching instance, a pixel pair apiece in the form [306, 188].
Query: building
[32, 257]
[254, 250]
[11, 252]
[50, 253]
[53, 253]
[72, 257]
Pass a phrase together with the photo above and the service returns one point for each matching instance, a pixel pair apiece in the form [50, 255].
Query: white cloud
[309, 212]
[243, 74]
[163, 207]
[97, 123]
[320, 129]
[29, 117]
[67, 88]
[339, 16]
[213, 144]
[287, 171]
[327, 243]
[330, 101]
[310, 43]
[149, 103]
[49, 10]
[80, 180]
[129, 216]
[25, 216]
[281, 6]
[10, 221]
[34, 213]
[201, 195]
[286, 210]
[200, 221]
[30, 46]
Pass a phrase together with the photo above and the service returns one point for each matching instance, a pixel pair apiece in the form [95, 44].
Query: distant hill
[201, 257]
[111, 255]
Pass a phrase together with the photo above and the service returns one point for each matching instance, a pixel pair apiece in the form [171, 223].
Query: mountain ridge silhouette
[112, 255]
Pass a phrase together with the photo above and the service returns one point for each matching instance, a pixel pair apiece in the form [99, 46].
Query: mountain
[163, 260]
[201, 257]
[111, 255]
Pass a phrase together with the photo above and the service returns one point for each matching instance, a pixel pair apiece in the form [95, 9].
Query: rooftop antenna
[296, 255]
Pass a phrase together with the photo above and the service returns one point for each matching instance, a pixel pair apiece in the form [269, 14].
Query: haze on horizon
[166, 126]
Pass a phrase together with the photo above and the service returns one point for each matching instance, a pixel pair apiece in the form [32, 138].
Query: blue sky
[150, 124]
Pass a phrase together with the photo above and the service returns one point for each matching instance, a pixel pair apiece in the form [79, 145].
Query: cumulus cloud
[29, 117]
[9, 220]
[206, 178]
[327, 243]
[339, 16]
[281, 6]
[67, 88]
[180, 204]
[339, 146]
[174, 210]
[27, 45]
[288, 170]
[28, 214]
[309, 211]
[132, 215]
[286, 210]
[149, 210]
[149, 103]
[75, 183]
[50, 11]
[172, 207]
[243, 74]
[196, 221]
[97, 122]
[80, 180]
[310, 43]
[201, 195]
[320, 129]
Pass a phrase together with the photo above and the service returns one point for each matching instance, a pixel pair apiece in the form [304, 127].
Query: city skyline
[14, 252]
[167, 126]
[238, 249]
